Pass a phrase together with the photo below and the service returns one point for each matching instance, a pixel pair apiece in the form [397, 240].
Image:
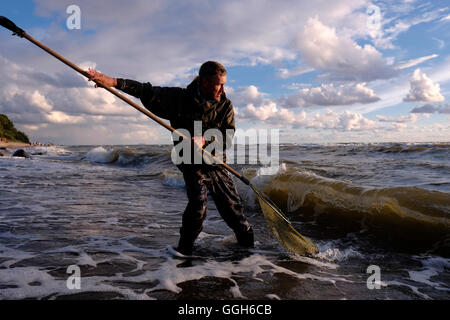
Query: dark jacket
[184, 106]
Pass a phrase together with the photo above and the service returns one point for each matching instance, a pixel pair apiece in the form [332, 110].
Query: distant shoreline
[10, 145]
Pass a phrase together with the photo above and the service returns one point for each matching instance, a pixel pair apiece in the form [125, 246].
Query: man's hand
[103, 79]
[199, 142]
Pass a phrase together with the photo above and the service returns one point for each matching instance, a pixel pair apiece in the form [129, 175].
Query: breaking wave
[409, 213]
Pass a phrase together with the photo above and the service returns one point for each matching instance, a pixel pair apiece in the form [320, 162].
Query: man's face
[212, 88]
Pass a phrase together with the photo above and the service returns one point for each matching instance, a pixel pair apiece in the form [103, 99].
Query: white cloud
[270, 113]
[345, 121]
[284, 73]
[350, 121]
[246, 95]
[253, 103]
[402, 119]
[414, 62]
[422, 88]
[15, 99]
[339, 56]
[61, 117]
[446, 18]
[330, 95]
[262, 113]
[329, 120]
[37, 99]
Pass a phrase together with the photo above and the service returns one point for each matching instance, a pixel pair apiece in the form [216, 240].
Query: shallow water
[113, 210]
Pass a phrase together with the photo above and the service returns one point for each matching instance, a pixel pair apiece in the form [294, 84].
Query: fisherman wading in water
[203, 100]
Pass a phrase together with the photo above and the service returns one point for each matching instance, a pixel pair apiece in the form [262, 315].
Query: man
[203, 100]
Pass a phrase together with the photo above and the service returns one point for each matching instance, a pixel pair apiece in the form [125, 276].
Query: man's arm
[161, 101]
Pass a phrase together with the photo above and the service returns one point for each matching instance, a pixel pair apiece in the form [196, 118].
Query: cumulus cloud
[330, 95]
[423, 88]
[250, 100]
[340, 57]
[252, 105]
[61, 117]
[271, 114]
[430, 108]
[330, 120]
[344, 121]
[246, 95]
[350, 121]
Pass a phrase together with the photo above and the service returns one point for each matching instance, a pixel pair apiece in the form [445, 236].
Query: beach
[14, 145]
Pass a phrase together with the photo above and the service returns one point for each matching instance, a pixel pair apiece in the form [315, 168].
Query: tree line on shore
[9, 133]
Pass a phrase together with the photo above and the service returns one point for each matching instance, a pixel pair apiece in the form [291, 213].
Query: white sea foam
[432, 267]
[270, 171]
[29, 282]
[236, 292]
[264, 174]
[85, 259]
[169, 275]
[329, 252]
[12, 255]
[50, 151]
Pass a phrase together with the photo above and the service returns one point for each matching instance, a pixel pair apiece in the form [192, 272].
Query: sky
[318, 71]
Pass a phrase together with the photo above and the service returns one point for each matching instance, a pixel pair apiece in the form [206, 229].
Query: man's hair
[211, 68]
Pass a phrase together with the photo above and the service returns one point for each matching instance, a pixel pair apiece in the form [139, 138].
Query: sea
[97, 222]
